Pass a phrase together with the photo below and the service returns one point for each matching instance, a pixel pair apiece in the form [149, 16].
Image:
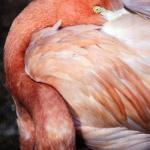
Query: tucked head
[73, 12]
[43, 13]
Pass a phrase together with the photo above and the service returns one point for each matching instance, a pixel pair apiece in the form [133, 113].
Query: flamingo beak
[111, 15]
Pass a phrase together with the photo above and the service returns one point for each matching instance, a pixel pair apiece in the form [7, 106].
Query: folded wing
[105, 83]
[141, 7]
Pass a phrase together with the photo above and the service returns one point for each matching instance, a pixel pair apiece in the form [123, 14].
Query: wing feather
[141, 7]
[97, 75]
[118, 138]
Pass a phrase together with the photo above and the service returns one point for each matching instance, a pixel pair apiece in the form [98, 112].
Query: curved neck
[34, 17]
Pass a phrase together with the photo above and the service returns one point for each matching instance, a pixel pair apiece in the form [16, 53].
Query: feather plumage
[74, 57]
[104, 80]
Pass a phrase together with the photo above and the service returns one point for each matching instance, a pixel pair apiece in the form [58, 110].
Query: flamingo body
[44, 118]
[104, 79]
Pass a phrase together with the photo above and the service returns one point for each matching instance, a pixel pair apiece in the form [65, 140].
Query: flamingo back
[105, 82]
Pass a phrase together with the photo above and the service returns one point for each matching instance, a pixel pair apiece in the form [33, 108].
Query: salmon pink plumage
[71, 69]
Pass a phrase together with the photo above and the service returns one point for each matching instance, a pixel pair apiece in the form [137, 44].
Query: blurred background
[8, 128]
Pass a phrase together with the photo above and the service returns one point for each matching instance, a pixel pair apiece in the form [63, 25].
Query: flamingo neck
[33, 18]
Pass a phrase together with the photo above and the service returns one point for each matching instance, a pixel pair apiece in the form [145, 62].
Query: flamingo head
[73, 12]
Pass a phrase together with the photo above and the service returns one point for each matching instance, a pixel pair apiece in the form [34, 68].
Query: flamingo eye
[98, 9]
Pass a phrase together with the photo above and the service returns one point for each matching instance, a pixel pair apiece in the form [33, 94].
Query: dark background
[8, 128]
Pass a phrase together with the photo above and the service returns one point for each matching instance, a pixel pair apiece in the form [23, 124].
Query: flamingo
[87, 72]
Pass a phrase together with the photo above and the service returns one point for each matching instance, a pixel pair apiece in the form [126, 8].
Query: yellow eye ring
[98, 9]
